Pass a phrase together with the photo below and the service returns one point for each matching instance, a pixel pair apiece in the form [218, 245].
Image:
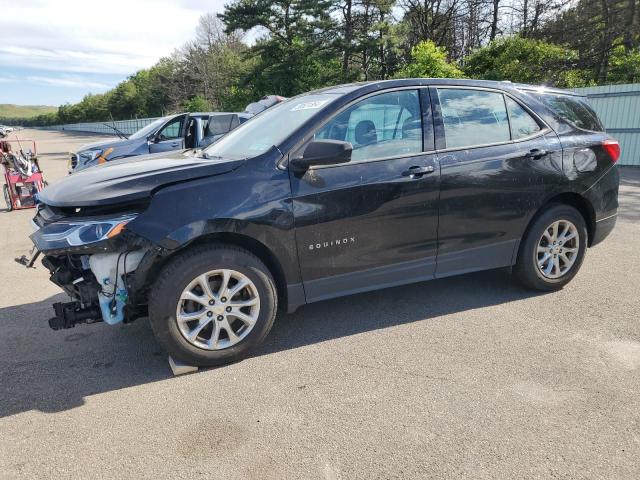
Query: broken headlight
[89, 156]
[76, 233]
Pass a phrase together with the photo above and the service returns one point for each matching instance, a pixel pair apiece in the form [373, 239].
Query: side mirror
[323, 152]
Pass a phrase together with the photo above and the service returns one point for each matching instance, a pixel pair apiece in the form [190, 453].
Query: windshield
[269, 128]
[144, 131]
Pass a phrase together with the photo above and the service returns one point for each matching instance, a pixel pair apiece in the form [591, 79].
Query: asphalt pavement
[467, 377]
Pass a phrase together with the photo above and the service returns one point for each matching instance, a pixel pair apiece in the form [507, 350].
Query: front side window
[473, 117]
[522, 124]
[381, 126]
[172, 130]
[146, 130]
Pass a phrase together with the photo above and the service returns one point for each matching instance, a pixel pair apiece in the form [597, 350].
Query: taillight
[612, 147]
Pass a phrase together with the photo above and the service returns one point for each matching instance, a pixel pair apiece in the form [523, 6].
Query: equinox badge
[332, 243]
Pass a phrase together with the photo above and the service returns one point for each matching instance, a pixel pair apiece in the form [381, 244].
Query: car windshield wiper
[120, 133]
[206, 156]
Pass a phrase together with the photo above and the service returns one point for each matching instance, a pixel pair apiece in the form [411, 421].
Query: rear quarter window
[572, 109]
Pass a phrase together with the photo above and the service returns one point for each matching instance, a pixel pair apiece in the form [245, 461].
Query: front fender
[253, 200]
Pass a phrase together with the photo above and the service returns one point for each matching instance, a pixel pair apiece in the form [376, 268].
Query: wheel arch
[575, 200]
[245, 242]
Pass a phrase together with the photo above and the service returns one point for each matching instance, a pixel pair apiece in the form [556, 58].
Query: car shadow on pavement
[55, 371]
[426, 301]
[52, 371]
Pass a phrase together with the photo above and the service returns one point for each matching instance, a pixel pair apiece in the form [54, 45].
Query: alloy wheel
[218, 309]
[557, 249]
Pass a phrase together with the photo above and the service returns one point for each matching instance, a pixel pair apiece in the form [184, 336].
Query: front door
[371, 222]
[169, 137]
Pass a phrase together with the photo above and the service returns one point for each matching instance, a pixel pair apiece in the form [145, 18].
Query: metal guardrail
[125, 126]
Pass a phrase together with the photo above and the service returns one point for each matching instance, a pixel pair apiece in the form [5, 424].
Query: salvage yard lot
[469, 376]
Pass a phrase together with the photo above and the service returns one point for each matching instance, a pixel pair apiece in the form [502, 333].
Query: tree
[373, 46]
[212, 63]
[630, 30]
[345, 43]
[458, 25]
[527, 61]
[624, 66]
[212, 34]
[494, 20]
[294, 55]
[197, 103]
[428, 60]
[594, 29]
[307, 44]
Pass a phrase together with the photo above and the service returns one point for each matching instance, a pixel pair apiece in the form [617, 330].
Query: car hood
[115, 149]
[130, 179]
[114, 142]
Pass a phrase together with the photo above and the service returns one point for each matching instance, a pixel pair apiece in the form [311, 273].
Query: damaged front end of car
[96, 260]
[90, 226]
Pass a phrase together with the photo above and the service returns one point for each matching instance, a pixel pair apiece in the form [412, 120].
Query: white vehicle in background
[4, 130]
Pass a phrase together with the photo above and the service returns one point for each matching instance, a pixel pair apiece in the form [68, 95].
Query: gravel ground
[462, 377]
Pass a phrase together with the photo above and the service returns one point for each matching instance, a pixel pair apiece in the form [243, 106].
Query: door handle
[417, 172]
[174, 144]
[536, 153]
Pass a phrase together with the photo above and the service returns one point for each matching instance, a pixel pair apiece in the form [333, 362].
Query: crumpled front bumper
[100, 277]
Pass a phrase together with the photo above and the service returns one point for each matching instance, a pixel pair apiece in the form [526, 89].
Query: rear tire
[7, 197]
[193, 319]
[553, 249]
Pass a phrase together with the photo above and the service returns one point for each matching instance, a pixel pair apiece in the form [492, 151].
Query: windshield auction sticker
[309, 105]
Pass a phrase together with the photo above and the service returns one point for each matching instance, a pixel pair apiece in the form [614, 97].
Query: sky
[56, 51]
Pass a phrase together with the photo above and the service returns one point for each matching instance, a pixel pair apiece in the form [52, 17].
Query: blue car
[175, 132]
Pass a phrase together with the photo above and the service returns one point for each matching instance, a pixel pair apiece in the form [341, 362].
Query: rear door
[371, 222]
[498, 160]
[170, 136]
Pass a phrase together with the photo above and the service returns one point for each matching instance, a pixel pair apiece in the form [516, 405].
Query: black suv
[338, 191]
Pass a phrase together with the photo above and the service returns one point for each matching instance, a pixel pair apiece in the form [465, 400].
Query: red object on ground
[20, 190]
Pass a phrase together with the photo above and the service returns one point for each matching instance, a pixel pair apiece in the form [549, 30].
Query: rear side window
[473, 117]
[221, 124]
[522, 124]
[572, 109]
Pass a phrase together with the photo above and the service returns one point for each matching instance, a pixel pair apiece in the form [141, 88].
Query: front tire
[212, 305]
[553, 249]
